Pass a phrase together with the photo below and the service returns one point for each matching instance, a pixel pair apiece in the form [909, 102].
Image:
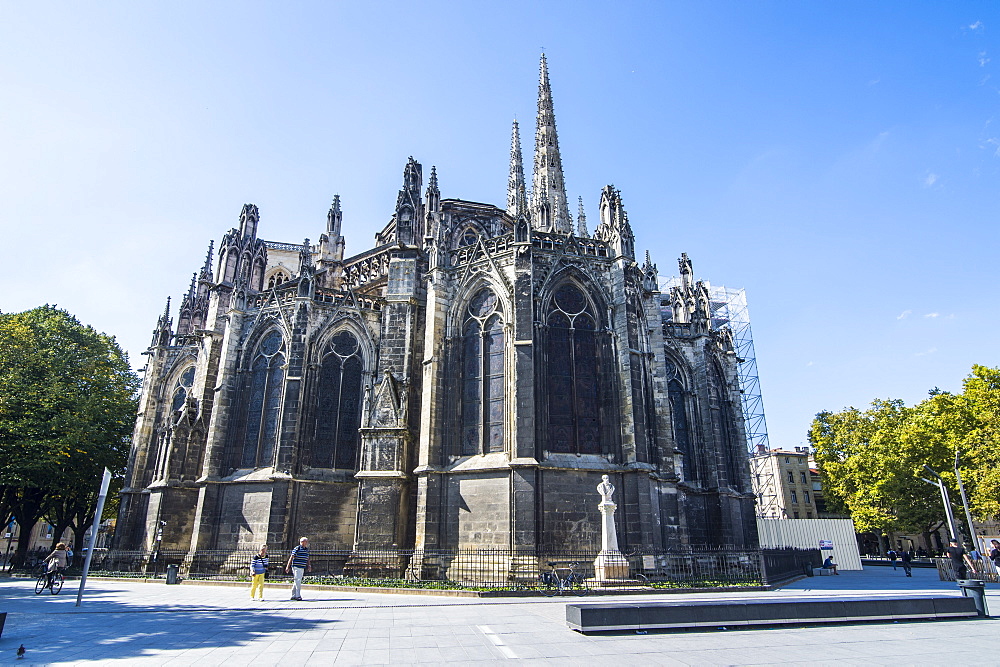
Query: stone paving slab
[154, 624]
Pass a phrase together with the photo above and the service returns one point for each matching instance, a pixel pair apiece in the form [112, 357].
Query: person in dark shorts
[892, 558]
[907, 561]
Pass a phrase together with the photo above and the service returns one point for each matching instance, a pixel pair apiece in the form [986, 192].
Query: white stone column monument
[610, 563]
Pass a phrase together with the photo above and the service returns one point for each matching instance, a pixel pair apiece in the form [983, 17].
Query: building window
[786, 460]
[682, 434]
[723, 420]
[181, 389]
[803, 475]
[791, 477]
[573, 394]
[276, 279]
[483, 375]
[469, 237]
[795, 497]
[261, 400]
[338, 404]
[805, 495]
[796, 515]
[809, 515]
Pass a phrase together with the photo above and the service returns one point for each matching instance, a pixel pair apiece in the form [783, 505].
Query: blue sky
[841, 161]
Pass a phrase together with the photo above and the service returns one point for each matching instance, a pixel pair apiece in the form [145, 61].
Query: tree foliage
[871, 461]
[67, 408]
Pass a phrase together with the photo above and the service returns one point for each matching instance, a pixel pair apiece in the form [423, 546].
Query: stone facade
[464, 383]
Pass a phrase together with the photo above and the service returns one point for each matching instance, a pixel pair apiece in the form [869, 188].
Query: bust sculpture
[605, 488]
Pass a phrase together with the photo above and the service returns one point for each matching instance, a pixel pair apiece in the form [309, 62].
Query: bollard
[975, 589]
[172, 574]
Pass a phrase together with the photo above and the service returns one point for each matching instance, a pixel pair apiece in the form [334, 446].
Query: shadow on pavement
[130, 635]
[109, 625]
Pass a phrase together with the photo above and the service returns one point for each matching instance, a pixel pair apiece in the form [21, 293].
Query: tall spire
[163, 332]
[432, 196]
[206, 270]
[548, 186]
[334, 218]
[581, 220]
[517, 197]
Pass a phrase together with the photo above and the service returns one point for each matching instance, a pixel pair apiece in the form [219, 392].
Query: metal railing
[476, 569]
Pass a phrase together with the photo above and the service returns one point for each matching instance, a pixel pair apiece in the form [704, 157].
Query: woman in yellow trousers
[258, 566]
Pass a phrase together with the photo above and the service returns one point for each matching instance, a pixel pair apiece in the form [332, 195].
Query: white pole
[105, 483]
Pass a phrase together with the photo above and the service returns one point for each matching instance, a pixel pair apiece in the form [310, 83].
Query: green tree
[67, 408]
[871, 462]
[981, 444]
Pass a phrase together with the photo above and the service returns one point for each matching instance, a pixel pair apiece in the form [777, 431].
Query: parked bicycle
[54, 584]
[552, 583]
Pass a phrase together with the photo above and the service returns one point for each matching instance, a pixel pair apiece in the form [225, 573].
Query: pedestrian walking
[892, 558]
[995, 553]
[958, 559]
[907, 560]
[298, 565]
[258, 567]
[976, 559]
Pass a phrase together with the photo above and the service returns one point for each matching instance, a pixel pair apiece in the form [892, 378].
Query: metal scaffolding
[729, 311]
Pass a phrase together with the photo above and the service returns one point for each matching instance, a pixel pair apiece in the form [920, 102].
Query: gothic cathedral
[465, 382]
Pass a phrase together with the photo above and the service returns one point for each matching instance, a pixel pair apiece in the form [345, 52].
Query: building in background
[463, 383]
[786, 478]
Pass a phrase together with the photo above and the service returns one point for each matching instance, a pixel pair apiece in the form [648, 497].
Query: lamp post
[965, 505]
[944, 498]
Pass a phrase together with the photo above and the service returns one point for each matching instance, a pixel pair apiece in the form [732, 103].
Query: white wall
[806, 534]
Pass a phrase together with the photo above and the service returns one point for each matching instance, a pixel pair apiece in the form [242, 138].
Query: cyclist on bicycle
[56, 562]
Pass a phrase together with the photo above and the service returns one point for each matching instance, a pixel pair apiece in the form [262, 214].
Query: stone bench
[822, 572]
[600, 617]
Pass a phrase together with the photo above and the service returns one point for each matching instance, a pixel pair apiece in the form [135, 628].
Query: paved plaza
[156, 624]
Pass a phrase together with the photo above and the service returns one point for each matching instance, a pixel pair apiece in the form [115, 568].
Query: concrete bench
[822, 572]
[599, 617]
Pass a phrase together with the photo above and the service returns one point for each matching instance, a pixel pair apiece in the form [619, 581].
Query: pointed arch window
[182, 387]
[574, 396]
[468, 237]
[261, 400]
[338, 404]
[482, 404]
[724, 423]
[679, 421]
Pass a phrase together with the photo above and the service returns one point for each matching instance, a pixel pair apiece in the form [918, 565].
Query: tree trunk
[27, 509]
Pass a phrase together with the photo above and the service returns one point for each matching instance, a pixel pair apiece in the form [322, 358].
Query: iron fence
[478, 569]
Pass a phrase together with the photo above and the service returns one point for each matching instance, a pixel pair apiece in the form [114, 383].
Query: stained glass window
[469, 237]
[181, 389]
[574, 383]
[482, 406]
[338, 404]
[723, 421]
[261, 397]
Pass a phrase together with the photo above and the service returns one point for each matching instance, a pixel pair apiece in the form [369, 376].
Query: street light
[944, 497]
[965, 504]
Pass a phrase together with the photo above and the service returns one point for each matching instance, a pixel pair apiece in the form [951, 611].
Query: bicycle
[550, 583]
[54, 586]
